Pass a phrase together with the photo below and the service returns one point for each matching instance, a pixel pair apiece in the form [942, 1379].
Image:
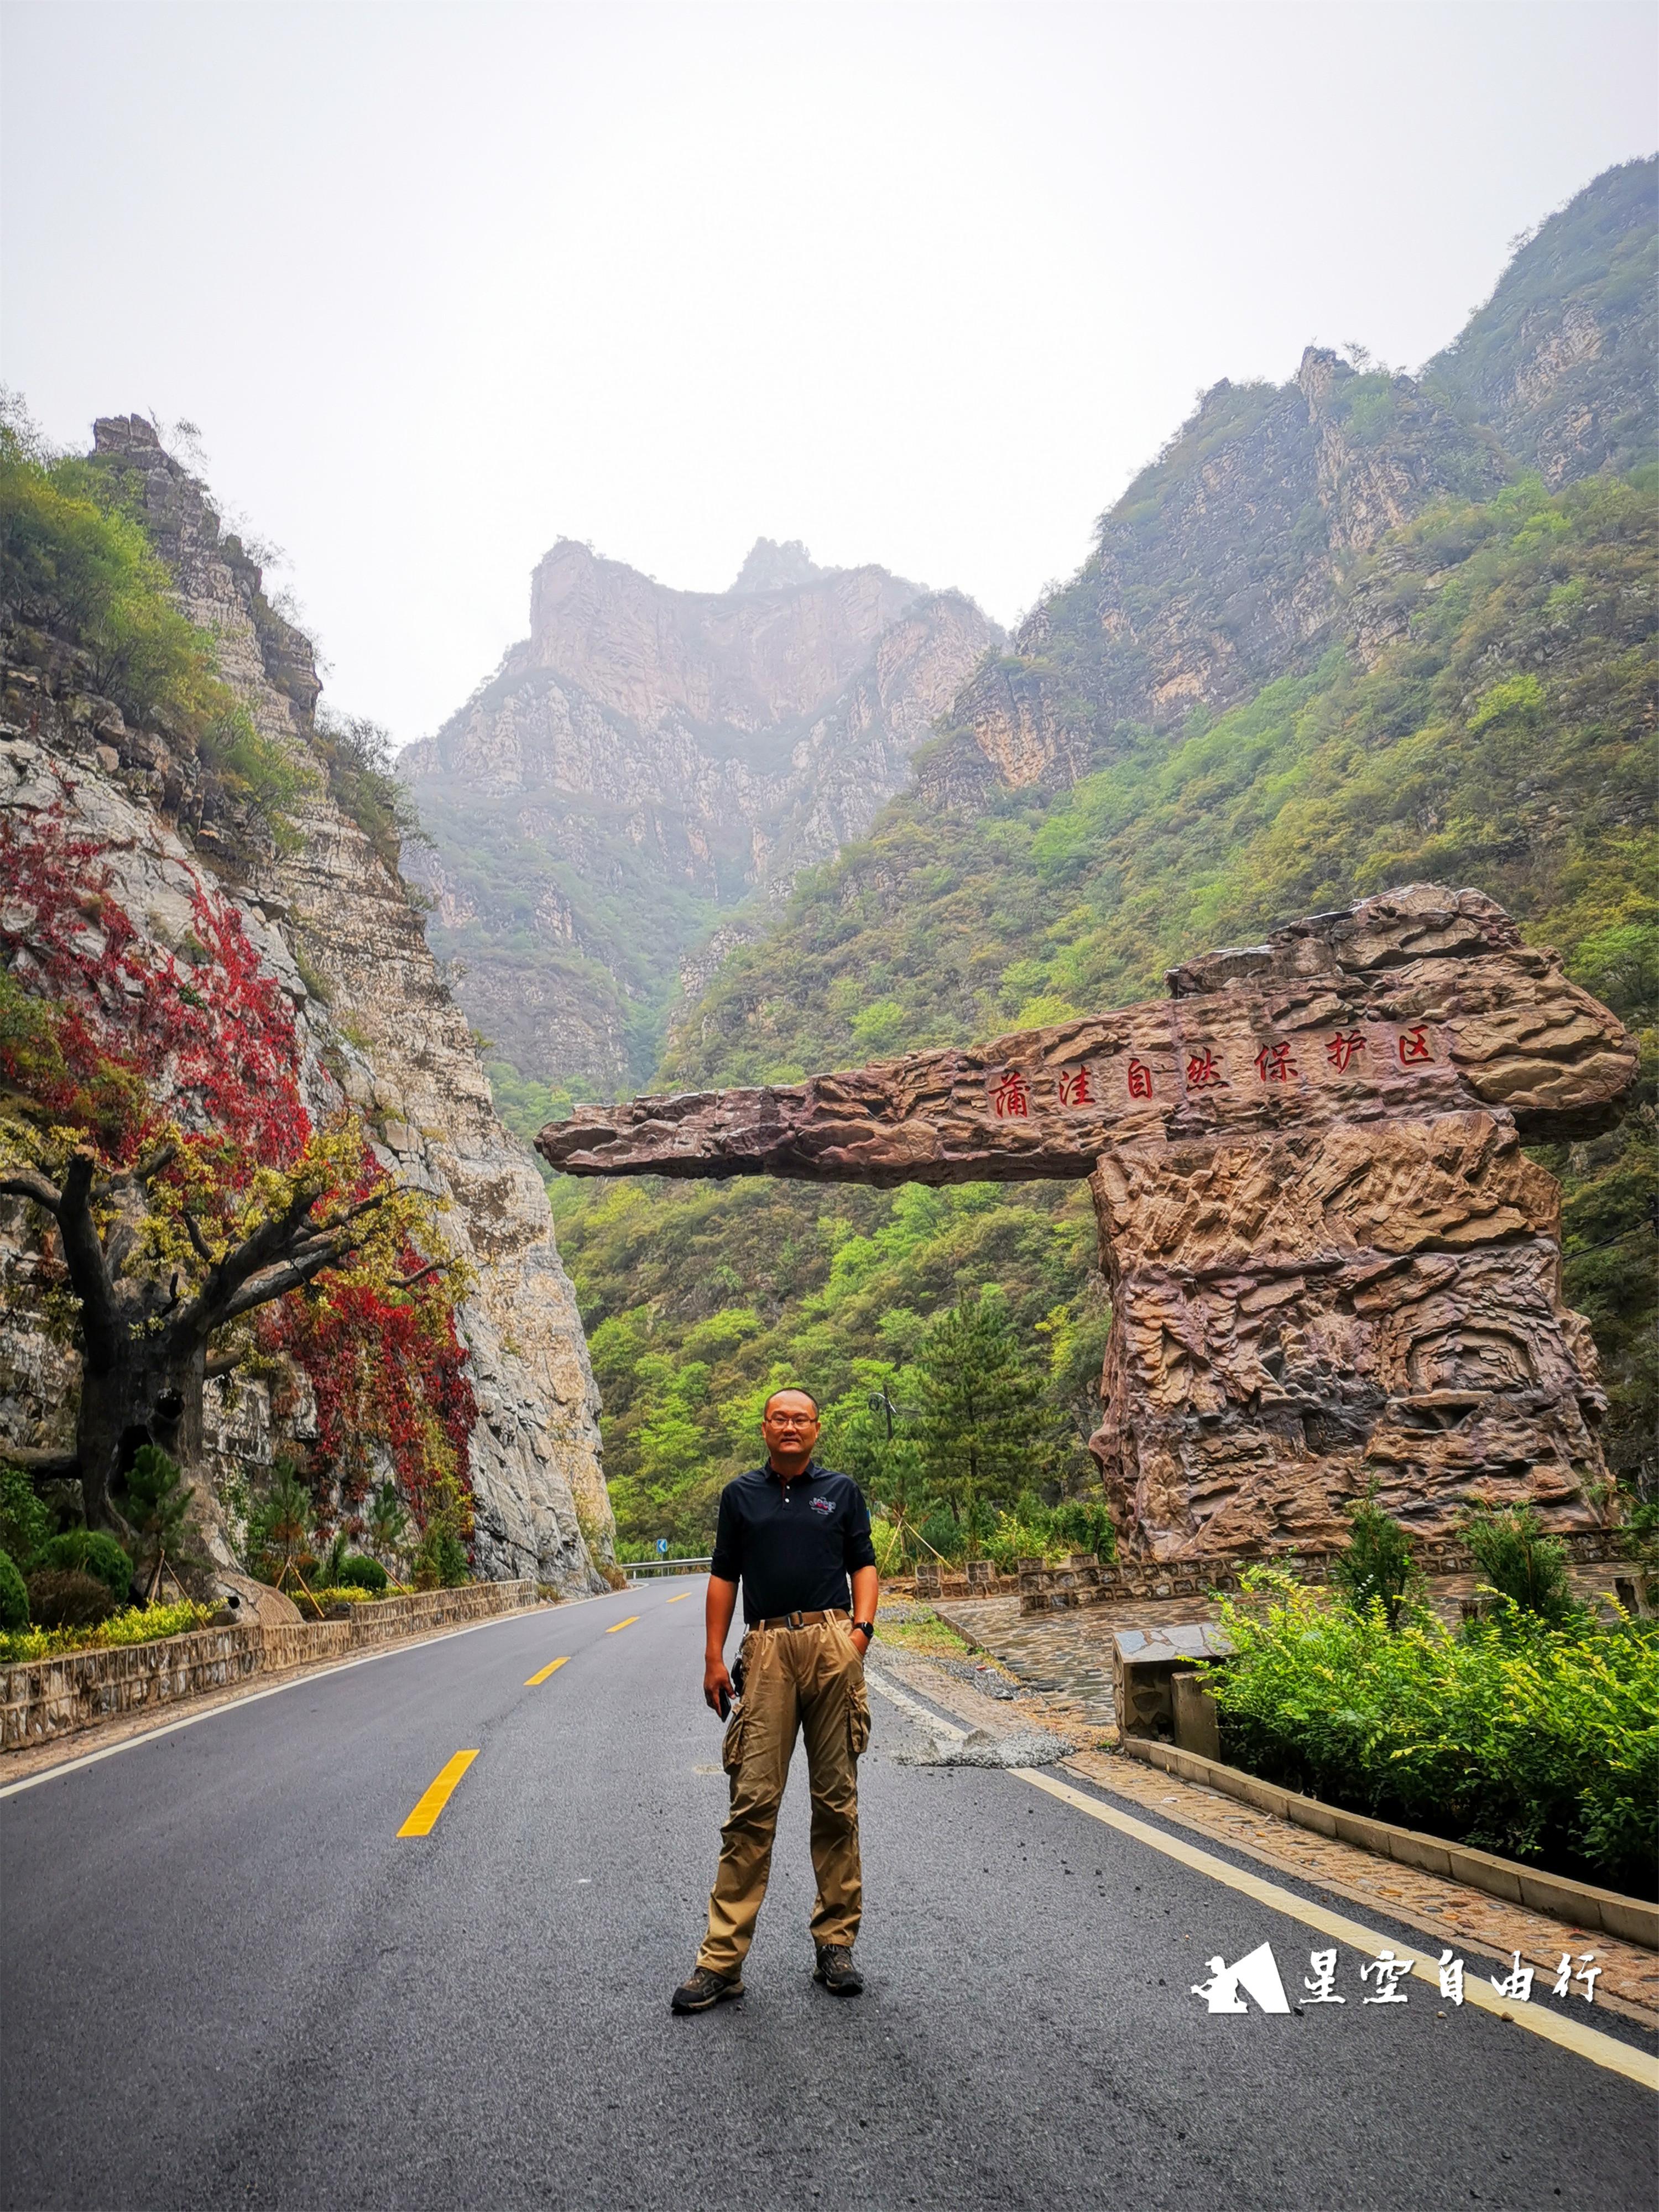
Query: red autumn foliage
[118, 1037]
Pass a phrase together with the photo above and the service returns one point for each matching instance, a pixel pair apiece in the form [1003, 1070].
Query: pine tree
[157, 1506]
[388, 1524]
[982, 1422]
[1377, 1567]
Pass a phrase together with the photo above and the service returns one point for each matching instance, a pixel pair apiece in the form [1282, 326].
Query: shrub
[366, 1574]
[13, 1597]
[1539, 1743]
[63, 1597]
[1522, 1564]
[1032, 1530]
[1376, 1568]
[321, 1595]
[25, 1522]
[90, 1551]
[442, 1559]
[1083, 1524]
[138, 1624]
[941, 1533]
[1014, 1538]
[887, 1540]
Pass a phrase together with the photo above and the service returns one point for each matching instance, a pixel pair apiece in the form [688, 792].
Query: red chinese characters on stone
[1141, 1079]
[1414, 1046]
[1203, 1071]
[1075, 1087]
[1342, 1051]
[1273, 1063]
[1011, 1100]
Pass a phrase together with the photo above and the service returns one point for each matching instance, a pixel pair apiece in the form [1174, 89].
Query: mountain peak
[771, 567]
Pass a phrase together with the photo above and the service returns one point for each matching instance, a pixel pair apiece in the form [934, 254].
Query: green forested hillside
[1498, 742]
[1506, 738]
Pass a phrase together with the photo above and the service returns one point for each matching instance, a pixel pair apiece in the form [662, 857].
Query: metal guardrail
[637, 1567]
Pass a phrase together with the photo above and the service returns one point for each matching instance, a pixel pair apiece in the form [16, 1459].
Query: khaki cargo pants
[808, 1681]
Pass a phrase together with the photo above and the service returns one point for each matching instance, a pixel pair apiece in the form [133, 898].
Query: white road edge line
[947, 1730]
[295, 1682]
[1604, 2051]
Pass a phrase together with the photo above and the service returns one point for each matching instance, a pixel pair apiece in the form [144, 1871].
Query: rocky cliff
[1560, 361]
[1223, 567]
[1245, 550]
[377, 1028]
[648, 759]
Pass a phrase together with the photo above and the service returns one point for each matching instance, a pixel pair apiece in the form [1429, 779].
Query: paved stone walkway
[1067, 1656]
[1069, 1653]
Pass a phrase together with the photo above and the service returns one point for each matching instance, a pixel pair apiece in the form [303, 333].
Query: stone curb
[1630, 1919]
[42, 1700]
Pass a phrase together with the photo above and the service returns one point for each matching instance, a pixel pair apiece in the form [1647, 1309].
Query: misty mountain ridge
[647, 760]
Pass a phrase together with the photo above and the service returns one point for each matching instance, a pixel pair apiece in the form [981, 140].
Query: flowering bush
[1539, 1743]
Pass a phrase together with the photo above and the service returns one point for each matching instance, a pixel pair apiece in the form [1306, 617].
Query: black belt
[800, 1619]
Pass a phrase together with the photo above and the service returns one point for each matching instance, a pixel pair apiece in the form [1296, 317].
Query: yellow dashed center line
[552, 1668]
[424, 1818]
[682, 1597]
[615, 1625]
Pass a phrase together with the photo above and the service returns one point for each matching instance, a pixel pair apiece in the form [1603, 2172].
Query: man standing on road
[793, 1535]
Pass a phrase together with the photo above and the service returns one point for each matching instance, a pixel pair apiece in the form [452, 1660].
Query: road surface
[229, 1980]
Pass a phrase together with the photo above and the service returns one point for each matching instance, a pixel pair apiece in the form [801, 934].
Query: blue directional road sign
[662, 1548]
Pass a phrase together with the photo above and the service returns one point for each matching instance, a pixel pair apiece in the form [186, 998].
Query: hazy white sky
[918, 283]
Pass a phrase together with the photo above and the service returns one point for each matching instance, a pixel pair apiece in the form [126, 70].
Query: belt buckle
[796, 1619]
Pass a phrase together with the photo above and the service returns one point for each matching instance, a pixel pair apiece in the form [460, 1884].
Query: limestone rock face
[330, 918]
[753, 657]
[1253, 543]
[1331, 1262]
[1560, 361]
[647, 759]
[1221, 568]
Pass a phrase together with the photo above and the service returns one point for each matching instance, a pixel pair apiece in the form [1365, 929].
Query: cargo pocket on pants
[732, 1743]
[857, 1720]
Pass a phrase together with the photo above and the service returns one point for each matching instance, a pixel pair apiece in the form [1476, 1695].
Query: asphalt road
[229, 1980]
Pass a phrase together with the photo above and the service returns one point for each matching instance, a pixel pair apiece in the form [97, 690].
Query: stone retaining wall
[1085, 1582]
[47, 1698]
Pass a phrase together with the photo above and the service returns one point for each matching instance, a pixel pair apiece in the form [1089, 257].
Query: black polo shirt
[792, 1545]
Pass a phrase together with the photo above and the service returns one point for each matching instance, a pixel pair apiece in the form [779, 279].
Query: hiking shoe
[836, 1971]
[705, 1988]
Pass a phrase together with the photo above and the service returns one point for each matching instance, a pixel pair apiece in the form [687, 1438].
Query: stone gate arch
[1332, 1262]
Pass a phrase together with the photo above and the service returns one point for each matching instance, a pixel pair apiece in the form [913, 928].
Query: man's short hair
[789, 1390]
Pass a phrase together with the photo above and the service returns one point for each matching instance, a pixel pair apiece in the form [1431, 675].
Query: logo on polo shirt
[822, 1504]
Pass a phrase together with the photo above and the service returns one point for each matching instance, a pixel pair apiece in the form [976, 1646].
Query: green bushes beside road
[1538, 1739]
[139, 1624]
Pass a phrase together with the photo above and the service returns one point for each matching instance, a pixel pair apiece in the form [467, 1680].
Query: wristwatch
[868, 1627]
